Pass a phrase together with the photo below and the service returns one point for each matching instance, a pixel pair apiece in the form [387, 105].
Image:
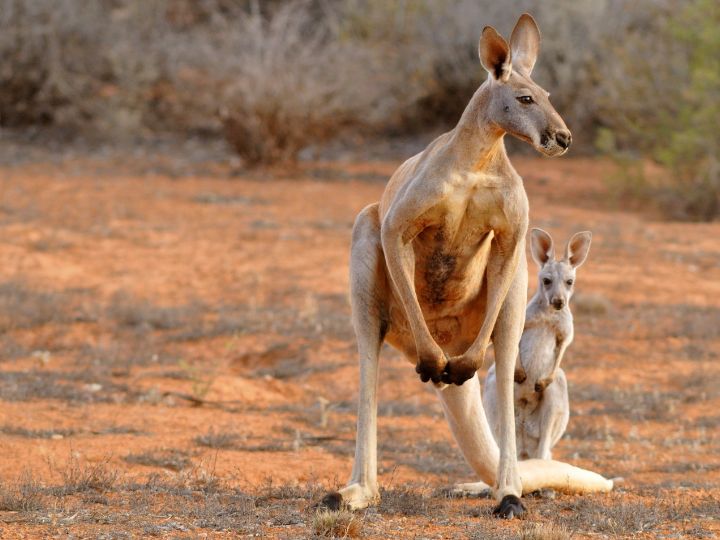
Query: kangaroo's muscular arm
[504, 257]
[409, 214]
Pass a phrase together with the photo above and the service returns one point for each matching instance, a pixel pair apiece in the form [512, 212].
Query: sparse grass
[336, 524]
[130, 311]
[216, 439]
[437, 457]
[544, 531]
[69, 386]
[80, 477]
[636, 403]
[411, 501]
[172, 458]
[19, 431]
[408, 408]
[583, 430]
[619, 517]
[25, 496]
[23, 307]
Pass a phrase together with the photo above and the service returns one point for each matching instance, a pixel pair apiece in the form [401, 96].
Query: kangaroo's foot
[352, 497]
[509, 507]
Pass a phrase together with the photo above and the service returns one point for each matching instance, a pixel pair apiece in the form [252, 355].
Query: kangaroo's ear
[577, 249]
[525, 43]
[541, 247]
[495, 54]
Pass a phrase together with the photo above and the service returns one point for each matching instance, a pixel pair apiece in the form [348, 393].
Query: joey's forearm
[560, 352]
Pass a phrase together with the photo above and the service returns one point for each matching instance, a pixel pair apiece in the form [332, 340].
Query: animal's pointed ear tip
[488, 31]
[527, 18]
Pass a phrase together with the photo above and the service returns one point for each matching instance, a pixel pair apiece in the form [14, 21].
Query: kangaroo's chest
[451, 255]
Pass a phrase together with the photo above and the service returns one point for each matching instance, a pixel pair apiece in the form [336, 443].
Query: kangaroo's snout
[558, 303]
[563, 138]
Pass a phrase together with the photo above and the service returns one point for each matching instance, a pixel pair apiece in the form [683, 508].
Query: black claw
[509, 507]
[424, 377]
[332, 501]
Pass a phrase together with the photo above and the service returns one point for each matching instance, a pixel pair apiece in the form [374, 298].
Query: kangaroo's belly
[450, 286]
[449, 272]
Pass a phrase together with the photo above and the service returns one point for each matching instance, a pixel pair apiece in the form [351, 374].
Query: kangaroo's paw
[509, 507]
[478, 490]
[352, 497]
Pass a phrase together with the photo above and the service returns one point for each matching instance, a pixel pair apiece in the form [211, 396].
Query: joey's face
[556, 283]
[556, 279]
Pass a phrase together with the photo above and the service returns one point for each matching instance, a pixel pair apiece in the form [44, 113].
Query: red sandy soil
[154, 310]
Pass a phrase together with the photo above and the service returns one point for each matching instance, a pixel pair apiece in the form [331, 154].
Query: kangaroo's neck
[477, 142]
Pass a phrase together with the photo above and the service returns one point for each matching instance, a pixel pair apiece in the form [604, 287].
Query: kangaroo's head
[517, 105]
[556, 279]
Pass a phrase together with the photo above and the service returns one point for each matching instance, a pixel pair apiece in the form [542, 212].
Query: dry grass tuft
[336, 524]
[25, 496]
[80, 477]
[217, 439]
[544, 531]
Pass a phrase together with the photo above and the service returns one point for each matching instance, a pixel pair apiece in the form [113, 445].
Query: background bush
[273, 77]
[662, 100]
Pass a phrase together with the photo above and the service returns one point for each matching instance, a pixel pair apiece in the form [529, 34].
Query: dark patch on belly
[439, 268]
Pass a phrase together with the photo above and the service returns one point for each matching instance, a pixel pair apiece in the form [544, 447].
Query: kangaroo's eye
[569, 282]
[547, 281]
[526, 100]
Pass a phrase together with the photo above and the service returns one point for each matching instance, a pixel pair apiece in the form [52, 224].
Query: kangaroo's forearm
[400, 261]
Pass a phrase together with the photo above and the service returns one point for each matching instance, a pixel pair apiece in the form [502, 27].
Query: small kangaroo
[542, 408]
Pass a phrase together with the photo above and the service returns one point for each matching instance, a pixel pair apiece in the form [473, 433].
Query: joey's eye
[569, 282]
[547, 281]
[526, 100]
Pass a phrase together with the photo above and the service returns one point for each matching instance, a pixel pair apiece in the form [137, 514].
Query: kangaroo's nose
[558, 303]
[563, 138]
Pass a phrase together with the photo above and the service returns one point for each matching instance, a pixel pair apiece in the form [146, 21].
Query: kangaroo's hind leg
[368, 294]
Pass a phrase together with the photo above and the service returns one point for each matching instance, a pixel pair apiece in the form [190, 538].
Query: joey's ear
[525, 44]
[495, 54]
[541, 247]
[577, 249]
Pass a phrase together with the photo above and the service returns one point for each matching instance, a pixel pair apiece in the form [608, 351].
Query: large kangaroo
[438, 270]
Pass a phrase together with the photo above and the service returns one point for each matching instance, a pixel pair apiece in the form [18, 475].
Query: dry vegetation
[276, 78]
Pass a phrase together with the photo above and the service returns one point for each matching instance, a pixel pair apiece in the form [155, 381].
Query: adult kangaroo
[438, 270]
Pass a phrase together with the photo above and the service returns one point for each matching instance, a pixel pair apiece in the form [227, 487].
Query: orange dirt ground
[177, 361]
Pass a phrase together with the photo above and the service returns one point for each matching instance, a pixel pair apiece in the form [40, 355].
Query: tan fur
[438, 266]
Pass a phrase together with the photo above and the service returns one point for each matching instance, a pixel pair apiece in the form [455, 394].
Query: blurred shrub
[663, 100]
[275, 76]
[292, 81]
[78, 64]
